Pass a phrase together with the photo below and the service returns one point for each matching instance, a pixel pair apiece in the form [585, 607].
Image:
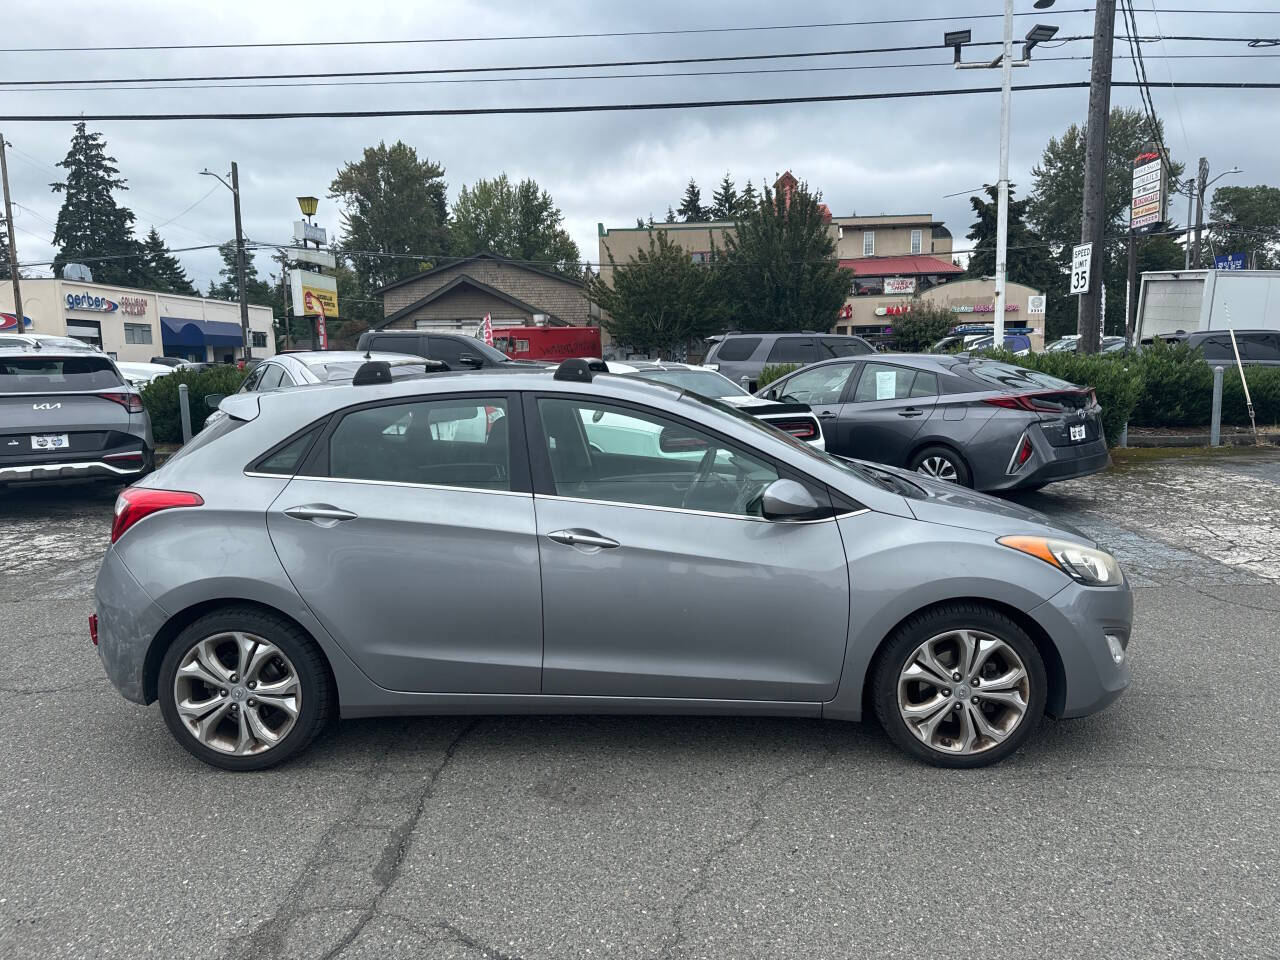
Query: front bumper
[1077, 619]
[128, 620]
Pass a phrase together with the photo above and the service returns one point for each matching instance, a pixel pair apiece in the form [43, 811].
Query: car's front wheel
[959, 685]
[243, 689]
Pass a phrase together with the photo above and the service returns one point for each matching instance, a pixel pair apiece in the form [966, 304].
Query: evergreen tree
[779, 269]
[1028, 259]
[671, 215]
[259, 291]
[725, 202]
[164, 272]
[691, 209]
[639, 223]
[749, 199]
[91, 226]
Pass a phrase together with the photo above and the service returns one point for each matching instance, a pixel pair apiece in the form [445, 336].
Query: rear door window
[456, 442]
[842, 347]
[737, 349]
[28, 374]
[396, 344]
[1218, 348]
[792, 350]
[881, 381]
[1260, 346]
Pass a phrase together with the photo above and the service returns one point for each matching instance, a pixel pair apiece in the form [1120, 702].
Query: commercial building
[897, 260]
[136, 325]
[458, 294]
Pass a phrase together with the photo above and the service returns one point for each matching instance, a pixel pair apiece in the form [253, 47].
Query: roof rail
[575, 370]
[372, 371]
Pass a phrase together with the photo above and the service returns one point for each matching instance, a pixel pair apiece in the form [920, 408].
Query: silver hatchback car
[497, 543]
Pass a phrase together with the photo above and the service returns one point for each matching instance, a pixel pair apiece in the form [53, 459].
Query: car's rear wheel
[942, 463]
[959, 686]
[243, 689]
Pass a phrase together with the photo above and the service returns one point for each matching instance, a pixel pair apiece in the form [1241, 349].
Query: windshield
[1012, 378]
[31, 374]
[705, 382]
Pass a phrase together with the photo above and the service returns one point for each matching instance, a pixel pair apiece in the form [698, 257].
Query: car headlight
[1096, 568]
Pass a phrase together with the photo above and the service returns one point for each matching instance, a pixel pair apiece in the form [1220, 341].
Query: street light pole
[234, 187]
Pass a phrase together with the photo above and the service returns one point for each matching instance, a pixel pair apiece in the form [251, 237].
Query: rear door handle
[581, 538]
[827, 415]
[320, 513]
[910, 412]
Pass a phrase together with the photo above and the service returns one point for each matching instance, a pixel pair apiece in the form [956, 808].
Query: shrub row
[160, 397]
[1162, 386]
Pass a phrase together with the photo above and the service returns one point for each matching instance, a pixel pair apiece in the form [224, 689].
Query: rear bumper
[36, 472]
[1059, 463]
[128, 619]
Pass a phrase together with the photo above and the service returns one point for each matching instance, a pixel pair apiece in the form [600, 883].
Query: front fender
[897, 567]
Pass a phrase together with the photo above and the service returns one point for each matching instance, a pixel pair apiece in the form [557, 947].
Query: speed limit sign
[1081, 257]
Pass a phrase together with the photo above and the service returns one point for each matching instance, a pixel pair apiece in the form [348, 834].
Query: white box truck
[1184, 301]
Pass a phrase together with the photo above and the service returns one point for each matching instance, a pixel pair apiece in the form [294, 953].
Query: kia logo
[46, 406]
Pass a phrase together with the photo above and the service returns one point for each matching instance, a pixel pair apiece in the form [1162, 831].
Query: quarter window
[271, 377]
[454, 443]
[286, 460]
[620, 455]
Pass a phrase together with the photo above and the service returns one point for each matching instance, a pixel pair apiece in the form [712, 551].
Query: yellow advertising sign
[313, 294]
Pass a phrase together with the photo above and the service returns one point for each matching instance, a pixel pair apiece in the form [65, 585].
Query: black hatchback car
[974, 421]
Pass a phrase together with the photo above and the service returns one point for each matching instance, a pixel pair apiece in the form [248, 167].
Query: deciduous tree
[519, 220]
[1247, 220]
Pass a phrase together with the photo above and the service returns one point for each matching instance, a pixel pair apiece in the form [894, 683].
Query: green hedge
[774, 372]
[160, 397]
[1163, 385]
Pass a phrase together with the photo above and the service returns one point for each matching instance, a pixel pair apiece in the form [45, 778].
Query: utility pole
[1191, 199]
[1131, 292]
[1093, 218]
[1002, 207]
[244, 294]
[1202, 178]
[13, 243]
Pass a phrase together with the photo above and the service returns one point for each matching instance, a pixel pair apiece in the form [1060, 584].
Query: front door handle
[827, 415]
[910, 412]
[581, 538]
[325, 514]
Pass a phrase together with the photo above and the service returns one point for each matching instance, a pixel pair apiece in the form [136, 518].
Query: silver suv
[68, 413]
[741, 356]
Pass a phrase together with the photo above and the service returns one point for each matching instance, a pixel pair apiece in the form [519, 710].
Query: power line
[759, 71]
[602, 107]
[593, 36]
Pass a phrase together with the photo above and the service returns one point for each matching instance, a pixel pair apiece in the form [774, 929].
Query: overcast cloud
[867, 158]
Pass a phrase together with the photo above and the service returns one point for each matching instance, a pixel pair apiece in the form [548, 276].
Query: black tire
[319, 699]
[964, 476]
[893, 657]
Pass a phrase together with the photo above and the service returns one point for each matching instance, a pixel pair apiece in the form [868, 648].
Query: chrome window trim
[696, 513]
[387, 483]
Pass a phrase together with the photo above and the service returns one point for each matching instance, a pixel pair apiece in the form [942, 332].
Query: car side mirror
[472, 362]
[211, 400]
[787, 500]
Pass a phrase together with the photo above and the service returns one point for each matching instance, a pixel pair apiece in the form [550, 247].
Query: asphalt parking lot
[1145, 831]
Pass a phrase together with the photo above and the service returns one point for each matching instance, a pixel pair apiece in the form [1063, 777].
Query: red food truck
[547, 343]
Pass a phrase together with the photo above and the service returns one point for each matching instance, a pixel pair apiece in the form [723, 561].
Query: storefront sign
[311, 291]
[133, 306]
[1229, 261]
[845, 312]
[896, 310]
[983, 308]
[1150, 191]
[9, 321]
[900, 285]
[303, 231]
[91, 303]
[1036, 304]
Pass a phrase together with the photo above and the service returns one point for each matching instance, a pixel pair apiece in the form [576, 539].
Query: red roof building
[909, 266]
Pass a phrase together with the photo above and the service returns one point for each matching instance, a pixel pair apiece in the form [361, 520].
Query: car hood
[939, 501]
[758, 405]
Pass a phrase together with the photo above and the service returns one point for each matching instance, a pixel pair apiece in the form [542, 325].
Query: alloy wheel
[938, 467]
[237, 693]
[963, 692]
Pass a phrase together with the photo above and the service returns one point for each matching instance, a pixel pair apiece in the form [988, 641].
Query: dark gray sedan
[977, 422]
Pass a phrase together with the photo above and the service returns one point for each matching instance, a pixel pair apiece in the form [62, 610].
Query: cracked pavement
[1145, 831]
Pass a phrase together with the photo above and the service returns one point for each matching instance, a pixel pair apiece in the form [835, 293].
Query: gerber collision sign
[91, 303]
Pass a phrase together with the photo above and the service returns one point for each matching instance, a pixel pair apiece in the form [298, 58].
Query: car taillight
[93, 628]
[1021, 454]
[1024, 401]
[134, 503]
[130, 401]
[800, 429]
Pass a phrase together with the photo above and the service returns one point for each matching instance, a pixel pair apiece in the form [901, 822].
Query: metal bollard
[1124, 435]
[1215, 419]
[184, 405]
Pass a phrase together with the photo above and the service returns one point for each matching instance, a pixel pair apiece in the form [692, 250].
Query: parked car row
[337, 549]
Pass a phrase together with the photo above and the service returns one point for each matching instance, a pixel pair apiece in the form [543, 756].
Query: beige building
[136, 325]
[457, 295]
[971, 302]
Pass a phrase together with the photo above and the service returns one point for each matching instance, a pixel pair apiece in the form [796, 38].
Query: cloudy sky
[896, 156]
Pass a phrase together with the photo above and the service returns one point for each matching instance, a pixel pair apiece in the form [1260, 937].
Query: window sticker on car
[886, 384]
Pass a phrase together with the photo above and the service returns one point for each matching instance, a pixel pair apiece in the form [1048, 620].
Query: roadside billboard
[311, 292]
[1150, 198]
